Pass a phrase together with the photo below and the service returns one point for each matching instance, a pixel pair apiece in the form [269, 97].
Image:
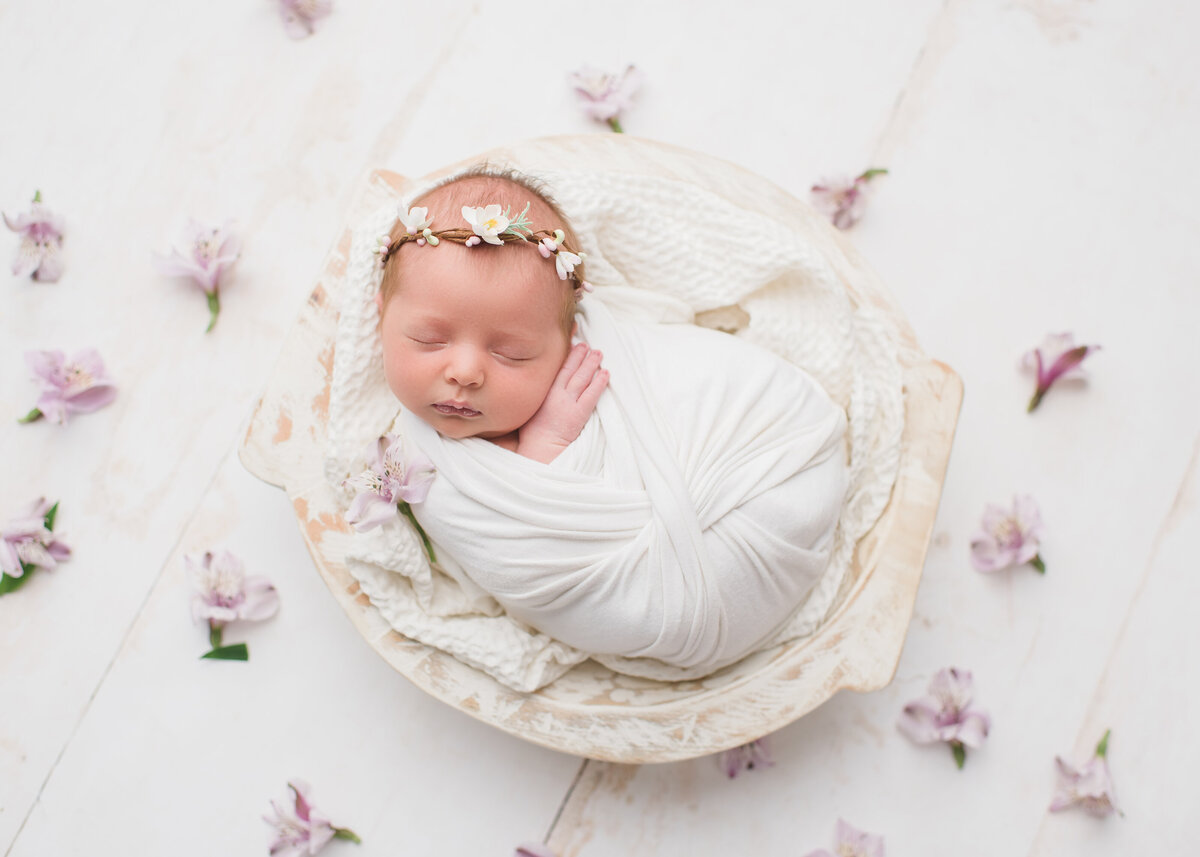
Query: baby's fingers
[591, 393]
[571, 364]
[584, 373]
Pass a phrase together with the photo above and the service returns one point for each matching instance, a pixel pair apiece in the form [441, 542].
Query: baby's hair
[484, 184]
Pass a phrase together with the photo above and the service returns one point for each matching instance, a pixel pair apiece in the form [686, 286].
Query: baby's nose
[465, 367]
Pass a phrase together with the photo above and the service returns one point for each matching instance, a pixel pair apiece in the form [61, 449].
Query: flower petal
[369, 510]
[92, 398]
[262, 600]
[47, 365]
[973, 728]
[918, 721]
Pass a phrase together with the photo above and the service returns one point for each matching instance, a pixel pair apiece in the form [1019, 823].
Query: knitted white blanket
[650, 261]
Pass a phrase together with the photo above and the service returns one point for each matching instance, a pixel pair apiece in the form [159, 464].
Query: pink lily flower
[604, 96]
[224, 593]
[303, 830]
[843, 201]
[849, 841]
[204, 256]
[946, 715]
[1009, 538]
[40, 251]
[28, 540]
[756, 754]
[1090, 788]
[1058, 357]
[300, 16]
[79, 385]
[388, 486]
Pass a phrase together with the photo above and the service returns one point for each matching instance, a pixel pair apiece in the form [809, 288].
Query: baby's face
[473, 336]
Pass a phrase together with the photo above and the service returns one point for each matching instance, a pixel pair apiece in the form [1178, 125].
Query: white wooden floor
[1043, 177]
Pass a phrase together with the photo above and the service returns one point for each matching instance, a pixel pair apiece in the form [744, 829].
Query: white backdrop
[1042, 178]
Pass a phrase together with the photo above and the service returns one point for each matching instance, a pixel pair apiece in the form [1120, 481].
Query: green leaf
[347, 834]
[1102, 747]
[1038, 563]
[50, 516]
[615, 125]
[960, 753]
[871, 173]
[37, 196]
[235, 652]
[30, 417]
[12, 584]
[214, 307]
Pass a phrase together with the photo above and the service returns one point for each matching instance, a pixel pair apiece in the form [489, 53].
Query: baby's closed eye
[514, 356]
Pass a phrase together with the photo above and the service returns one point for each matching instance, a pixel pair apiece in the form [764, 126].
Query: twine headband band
[488, 225]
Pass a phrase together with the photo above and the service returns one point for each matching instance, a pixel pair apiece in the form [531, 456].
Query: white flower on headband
[486, 222]
[565, 261]
[415, 220]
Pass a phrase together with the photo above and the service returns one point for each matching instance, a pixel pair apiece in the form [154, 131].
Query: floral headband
[489, 225]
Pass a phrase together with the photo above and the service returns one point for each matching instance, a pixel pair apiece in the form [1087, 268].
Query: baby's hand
[567, 406]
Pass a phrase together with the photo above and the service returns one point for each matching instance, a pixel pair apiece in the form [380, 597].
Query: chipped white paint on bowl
[592, 711]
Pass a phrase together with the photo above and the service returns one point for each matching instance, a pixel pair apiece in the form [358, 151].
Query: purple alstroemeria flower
[224, 593]
[300, 16]
[78, 385]
[747, 757]
[946, 715]
[1007, 538]
[604, 96]
[1058, 357]
[392, 482]
[28, 539]
[40, 252]
[1090, 788]
[303, 830]
[203, 255]
[844, 201]
[849, 841]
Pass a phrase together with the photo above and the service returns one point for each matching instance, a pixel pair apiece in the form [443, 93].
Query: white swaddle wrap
[687, 521]
[767, 275]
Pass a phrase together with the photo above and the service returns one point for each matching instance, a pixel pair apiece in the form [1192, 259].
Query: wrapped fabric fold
[693, 514]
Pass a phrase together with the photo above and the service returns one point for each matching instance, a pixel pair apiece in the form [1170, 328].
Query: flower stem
[347, 834]
[37, 196]
[615, 124]
[406, 511]
[214, 307]
[1038, 563]
[960, 753]
[1036, 400]
[214, 635]
[35, 414]
[1102, 747]
[871, 173]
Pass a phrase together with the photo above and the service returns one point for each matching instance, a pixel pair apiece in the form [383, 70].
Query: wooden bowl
[592, 711]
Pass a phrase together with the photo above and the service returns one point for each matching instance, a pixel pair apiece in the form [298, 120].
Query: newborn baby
[680, 510]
